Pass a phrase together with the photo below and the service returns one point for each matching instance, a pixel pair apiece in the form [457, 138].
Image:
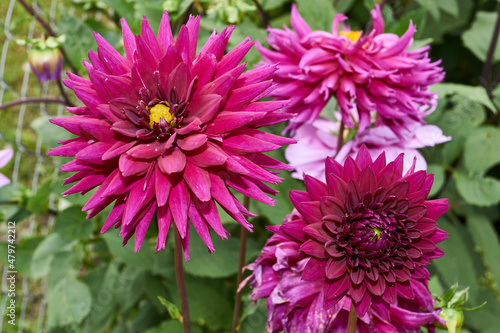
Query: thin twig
[32, 100]
[181, 286]
[63, 93]
[353, 318]
[340, 138]
[49, 30]
[489, 57]
[243, 246]
[262, 13]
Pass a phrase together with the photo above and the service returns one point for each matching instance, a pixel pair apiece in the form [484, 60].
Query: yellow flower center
[159, 111]
[376, 233]
[352, 35]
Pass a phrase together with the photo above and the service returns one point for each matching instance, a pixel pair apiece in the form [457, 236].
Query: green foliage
[477, 39]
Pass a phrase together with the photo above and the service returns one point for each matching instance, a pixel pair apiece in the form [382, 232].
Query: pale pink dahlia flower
[365, 72]
[318, 140]
[295, 305]
[165, 130]
[5, 157]
[368, 232]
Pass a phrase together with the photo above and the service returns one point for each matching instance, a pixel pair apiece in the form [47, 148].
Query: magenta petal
[164, 220]
[201, 227]
[198, 181]
[178, 205]
[314, 270]
[174, 162]
[142, 227]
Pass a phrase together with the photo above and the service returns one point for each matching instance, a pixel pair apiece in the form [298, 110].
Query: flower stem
[243, 246]
[353, 318]
[49, 30]
[63, 93]
[32, 100]
[262, 13]
[179, 275]
[489, 57]
[340, 138]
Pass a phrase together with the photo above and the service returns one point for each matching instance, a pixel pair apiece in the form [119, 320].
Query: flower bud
[46, 64]
[454, 320]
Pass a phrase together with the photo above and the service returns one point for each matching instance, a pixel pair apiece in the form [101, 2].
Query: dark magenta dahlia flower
[167, 131]
[368, 232]
[295, 305]
[366, 72]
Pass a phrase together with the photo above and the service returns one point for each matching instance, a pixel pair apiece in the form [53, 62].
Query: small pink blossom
[318, 140]
[5, 157]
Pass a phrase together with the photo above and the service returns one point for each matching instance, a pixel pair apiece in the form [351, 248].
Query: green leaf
[124, 8]
[474, 93]
[207, 302]
[77, 47]
[478, 191]
[477, 39]
[221, 263]
[172, 326]
[431, 6]
[458, 245]
[344, 5]
[485, 237]
[478, 149]
[318, 16]
[439, 177]
[141, 260]
[39, 202]
[449, 6]
[254, 317]
[44, 254]
[65, 264]
[71, 223]
[24, 253]
[51, 134]
[172, 309]
[68, 302]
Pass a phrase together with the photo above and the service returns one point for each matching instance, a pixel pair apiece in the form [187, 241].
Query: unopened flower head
[296, 305]
[166, 130]
[371, 74]
[368, 232]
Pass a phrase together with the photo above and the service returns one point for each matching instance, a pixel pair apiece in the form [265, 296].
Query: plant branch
[353, 318]
[340, 138]
[489, 57]
[181, 286]
[49, 30]
[63, 93]
[32, 100]
[262, 13]
[243, 246]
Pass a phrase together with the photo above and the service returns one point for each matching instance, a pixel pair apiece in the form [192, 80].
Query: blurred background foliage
[88, 282]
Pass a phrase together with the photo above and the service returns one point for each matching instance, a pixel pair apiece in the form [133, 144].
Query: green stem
[243, 246]
[179, 275]
[353, 318]
[489, 57]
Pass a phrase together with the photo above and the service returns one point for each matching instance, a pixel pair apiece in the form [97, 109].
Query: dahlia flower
[366, 72]
[318, 140]
[5, 157]
[296, 305]
[368, 232]
[165, 130]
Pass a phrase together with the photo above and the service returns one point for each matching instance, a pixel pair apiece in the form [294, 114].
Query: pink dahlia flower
[5, 157]
[368, 232]
[165, 130]
[318, 140]
[365, 72]
[296, 305]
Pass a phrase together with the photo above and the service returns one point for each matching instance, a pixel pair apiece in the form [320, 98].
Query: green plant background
[90, 283]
